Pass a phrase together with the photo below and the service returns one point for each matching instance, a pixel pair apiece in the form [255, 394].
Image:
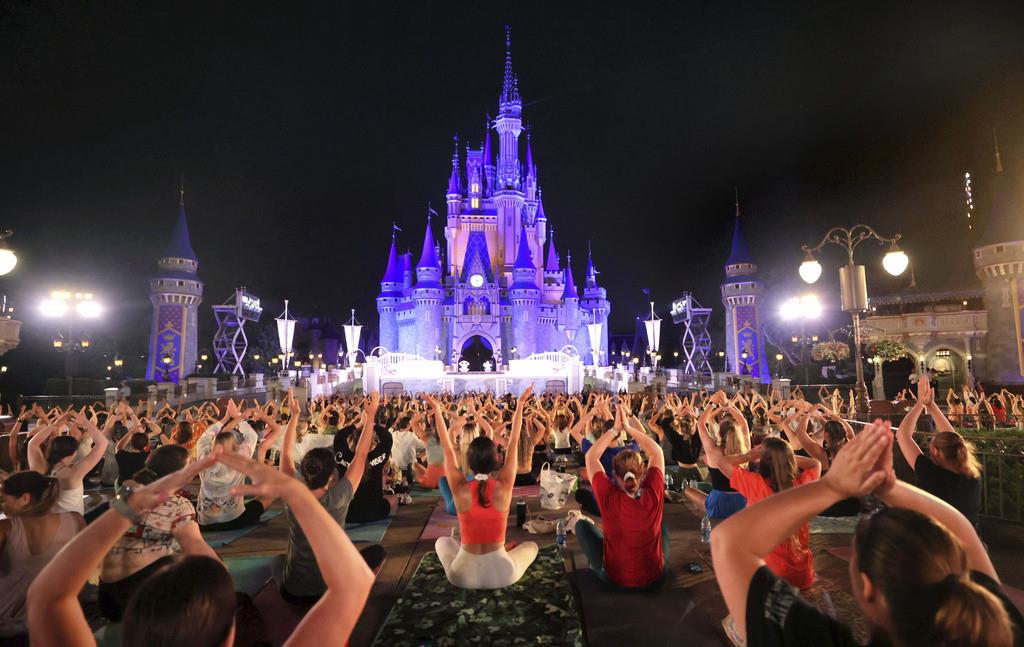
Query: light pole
[66, 305]
[803, 309]
[853, 285]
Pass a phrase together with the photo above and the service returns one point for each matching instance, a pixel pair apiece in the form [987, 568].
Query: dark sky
[304, 129]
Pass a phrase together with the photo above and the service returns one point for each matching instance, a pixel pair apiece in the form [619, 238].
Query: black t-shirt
[957, 490]
[372, 485]
[778, 617]
[720, 481]
[128, 463]
[684, 450]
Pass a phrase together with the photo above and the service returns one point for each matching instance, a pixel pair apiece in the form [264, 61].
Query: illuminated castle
[493, 295]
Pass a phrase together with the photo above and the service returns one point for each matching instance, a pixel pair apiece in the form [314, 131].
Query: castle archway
[476, 350]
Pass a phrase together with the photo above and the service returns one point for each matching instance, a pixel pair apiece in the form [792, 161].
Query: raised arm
[36, 459]
[288, 444]
[655, 456]
[905, 434]
[55, 616]
[508, 470]
[354, 473]
[99, 447]
[740, 543]
[593, 456]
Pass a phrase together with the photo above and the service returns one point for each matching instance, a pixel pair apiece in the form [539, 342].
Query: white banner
[285, 334]
[594, 329]
[352, 341]
[653, 334]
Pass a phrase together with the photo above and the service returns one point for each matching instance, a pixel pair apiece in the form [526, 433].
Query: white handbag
[554, 487]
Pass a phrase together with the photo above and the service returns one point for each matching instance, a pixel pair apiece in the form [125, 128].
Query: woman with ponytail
[779, 469]
[480, 560]
[29, 538]
[950, 470]
[161, 533]
[629, 551]
[918, 570]
[729, 451]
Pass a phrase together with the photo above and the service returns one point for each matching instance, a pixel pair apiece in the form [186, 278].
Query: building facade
[488, 294]
[175, 293]
[742, 293]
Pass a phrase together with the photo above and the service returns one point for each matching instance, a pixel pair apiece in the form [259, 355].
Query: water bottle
[705, 530]
[668, 482]
[521, 512]
[560, 533]
[693, 483]
[457, 534]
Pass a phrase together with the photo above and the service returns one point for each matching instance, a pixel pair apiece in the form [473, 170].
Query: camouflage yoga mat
[539, 609]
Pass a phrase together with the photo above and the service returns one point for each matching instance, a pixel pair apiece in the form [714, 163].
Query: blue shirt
[609, 454]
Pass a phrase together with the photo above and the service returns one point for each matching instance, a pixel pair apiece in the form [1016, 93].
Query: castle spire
[999, 160]
[455, 180]
[180, 244]
[428, 257]
[738, 253]
[570, 285]
[524, 259]
[510, 87]
[488, 155]
[393, 273]
[591, 272]
[530, 168]
[553, 263]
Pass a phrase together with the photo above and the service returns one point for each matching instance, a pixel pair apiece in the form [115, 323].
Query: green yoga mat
[833, 525]
[539, 609]
[220, 538]
[371, 532]
[250, 573]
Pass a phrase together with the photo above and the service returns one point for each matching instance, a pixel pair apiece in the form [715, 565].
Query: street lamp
[853, 285]
[803, 309]
[8, 259]
[67, 305]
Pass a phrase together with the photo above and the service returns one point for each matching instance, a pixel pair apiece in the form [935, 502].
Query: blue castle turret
[742, 292]
[495, 290]
[175, 293]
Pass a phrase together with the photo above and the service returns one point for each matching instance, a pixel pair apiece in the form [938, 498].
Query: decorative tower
[175, 293]
[570, 318]
[554, 277]
[389, 299]
[428, 296]
[508, 195]
[596, 307]
[524, 296]
[999, 263]
[741, 296]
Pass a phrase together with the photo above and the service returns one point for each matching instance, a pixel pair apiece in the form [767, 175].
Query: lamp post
[68, 306]
[803, 309]
[853, 285]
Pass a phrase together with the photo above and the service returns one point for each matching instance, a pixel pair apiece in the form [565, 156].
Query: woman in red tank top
[481, 561]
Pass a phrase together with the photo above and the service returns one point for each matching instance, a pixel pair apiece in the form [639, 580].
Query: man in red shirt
[630, 553]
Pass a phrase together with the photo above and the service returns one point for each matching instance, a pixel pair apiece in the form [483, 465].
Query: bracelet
[119, 504]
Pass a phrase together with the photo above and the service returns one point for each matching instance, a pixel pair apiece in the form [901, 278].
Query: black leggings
[113, 596]
[373, 555]
[367, 510]
[249, 517]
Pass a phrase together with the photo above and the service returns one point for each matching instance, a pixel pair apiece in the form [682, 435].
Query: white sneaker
[404, 499]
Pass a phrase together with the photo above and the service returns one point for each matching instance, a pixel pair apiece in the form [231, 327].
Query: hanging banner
[285, 334]
[594, 330]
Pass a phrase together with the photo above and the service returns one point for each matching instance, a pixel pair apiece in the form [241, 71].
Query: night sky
[304, 129]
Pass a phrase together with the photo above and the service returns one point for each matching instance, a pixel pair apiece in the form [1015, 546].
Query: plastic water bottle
[560, 533]
[668, 482]
[705, 530]
[456, 534]
[520, 512]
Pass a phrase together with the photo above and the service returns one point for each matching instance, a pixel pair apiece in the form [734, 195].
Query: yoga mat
[250, 573]
[371, 532]
[539, 609]
[417, 493]
[833, 525]
[686, 579]
[833, 598]
[221, 538]
[440, 523]
[526, 491]
[108, 636]
[280, 617]
[842, 552]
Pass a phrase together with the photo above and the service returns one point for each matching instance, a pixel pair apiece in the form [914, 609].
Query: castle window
[475, 187]
[999, 249]
[474, 203]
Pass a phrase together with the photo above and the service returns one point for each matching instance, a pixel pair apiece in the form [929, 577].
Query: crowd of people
[759, 466]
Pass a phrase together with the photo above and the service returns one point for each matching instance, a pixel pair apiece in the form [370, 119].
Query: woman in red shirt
[778, 469]
[630, 552]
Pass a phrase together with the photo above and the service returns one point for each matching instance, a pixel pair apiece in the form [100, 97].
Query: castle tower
[508, 196]
[999, 263]
[428, 296]
[389, 299]
[554, 277]
[741, 296]
[175, 293]
[596, 308]
[570, 310]
[524, 296]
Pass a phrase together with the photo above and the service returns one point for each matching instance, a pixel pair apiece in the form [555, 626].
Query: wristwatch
[120, 504]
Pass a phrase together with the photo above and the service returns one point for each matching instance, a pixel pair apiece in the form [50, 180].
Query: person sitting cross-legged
[630, 552]
[481, 560]
[297, 572]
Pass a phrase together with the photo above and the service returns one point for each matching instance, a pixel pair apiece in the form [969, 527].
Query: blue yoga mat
[220, 538]
[250, 573]
[369, 533]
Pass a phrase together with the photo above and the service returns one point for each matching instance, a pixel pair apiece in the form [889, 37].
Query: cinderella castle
[492, 294]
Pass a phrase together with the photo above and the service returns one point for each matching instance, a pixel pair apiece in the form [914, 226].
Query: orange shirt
[792, 561]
